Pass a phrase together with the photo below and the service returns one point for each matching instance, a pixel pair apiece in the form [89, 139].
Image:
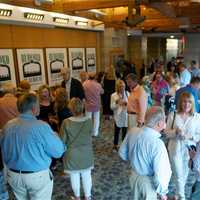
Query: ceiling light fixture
[33, 16]
[80, 23]
[61, 20]
[5, 12]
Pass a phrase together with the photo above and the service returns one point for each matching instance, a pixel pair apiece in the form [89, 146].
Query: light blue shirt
[29, 144]
[185, 77]
[148, 156]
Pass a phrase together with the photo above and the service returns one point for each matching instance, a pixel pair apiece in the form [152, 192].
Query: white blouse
[120, 112]
[190, 128]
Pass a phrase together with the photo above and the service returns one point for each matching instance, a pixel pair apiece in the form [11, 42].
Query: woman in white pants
[183, 130]
[78, 159]
[93, 91]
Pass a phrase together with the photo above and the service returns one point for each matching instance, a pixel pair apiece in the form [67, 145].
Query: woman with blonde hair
[46, 105]
[183, 131]
[78, 159]
[119, 106]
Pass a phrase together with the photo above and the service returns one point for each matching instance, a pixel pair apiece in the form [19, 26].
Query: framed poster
[56, 59]
[91, 59]
[76, 61]
[31, 66]
[7, 68]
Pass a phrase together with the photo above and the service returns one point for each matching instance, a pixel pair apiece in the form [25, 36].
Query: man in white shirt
[195, 70]
[185, 75]
[148, 157]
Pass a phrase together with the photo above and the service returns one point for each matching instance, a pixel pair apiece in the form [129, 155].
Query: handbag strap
[172, 126]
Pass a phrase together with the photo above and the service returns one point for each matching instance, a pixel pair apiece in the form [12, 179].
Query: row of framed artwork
[32, 68]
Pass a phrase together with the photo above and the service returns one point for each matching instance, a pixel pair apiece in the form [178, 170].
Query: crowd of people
[50, 125]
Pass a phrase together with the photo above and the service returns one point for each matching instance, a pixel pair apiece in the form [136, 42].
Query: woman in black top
[47, 113]
[60, 105]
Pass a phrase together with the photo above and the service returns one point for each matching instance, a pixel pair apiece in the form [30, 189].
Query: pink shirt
[8, 109]
[137, 102]
[93, 91]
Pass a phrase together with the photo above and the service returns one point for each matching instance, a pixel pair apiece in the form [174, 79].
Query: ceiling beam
[81, 5]
[57, 6]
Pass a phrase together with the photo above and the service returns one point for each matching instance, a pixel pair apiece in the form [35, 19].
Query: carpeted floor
[110, 174]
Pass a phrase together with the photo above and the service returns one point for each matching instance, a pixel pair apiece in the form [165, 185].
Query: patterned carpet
[110, 174]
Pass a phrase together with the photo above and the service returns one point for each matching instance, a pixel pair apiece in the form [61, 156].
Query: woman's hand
[180, 134]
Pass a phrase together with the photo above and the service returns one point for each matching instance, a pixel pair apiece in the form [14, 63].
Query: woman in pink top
[93, 91]
[159, 88]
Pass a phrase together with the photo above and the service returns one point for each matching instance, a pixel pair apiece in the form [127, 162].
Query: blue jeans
[3, 189]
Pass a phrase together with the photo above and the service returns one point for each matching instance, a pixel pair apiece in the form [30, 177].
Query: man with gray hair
[27, 147]
[148, 157]
[73, 86]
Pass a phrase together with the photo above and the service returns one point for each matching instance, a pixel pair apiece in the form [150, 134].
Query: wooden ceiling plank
[81, 5]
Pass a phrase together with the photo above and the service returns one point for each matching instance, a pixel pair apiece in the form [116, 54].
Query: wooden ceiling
[160, 15]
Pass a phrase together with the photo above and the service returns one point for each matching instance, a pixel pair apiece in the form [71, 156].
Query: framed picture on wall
[31, 66]
[56, 59]
[91, 59]
[7, 68]
[76, 61]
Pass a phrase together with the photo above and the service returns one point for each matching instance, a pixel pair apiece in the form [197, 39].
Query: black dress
[45, 113]
[109, 88]
[63, 114]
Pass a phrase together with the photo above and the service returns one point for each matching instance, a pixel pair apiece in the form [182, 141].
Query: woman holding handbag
[78, 159]
[183, 130]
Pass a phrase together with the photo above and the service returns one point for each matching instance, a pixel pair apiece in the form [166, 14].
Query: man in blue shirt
[148, 157]
[27, 146]
[193, 89]
[185, 75]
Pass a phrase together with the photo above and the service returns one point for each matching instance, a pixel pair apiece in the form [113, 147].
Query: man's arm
[123, 150]
[161, 168]
[142, 101]
[53, 145]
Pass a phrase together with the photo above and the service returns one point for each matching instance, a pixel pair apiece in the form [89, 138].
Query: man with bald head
[72, 85]
[148, 157]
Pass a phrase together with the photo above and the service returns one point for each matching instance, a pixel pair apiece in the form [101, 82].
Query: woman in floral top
[159, 88]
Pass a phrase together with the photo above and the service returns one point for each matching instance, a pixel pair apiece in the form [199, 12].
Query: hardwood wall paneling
[55, 37]
[6, 36]
[35, 37]
[27, 37]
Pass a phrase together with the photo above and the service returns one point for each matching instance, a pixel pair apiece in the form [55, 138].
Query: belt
[21, 172]
[132, 113]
